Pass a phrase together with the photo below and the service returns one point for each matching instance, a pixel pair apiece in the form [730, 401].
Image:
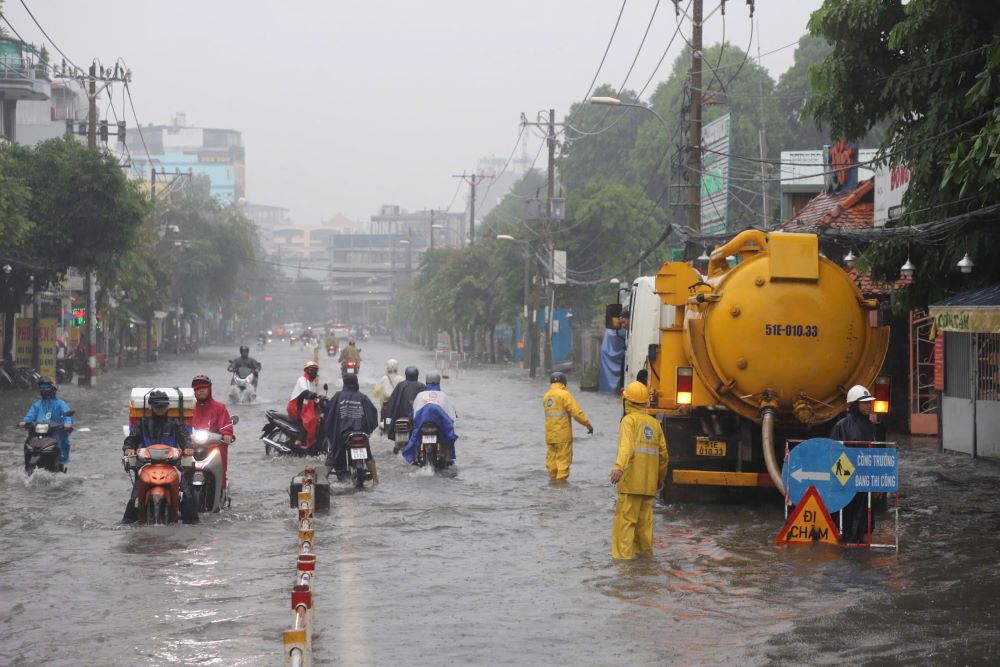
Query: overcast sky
[345, 106]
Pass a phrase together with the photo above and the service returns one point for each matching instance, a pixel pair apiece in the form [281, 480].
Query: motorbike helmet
[351, 382]
[412, 373]
[860, 394]
[157, 398]
[636, 392]
[47, 386]
[201, 380]
[392, 366]
[244, 350]
[558, 377]
[433, 378]
[350, 341]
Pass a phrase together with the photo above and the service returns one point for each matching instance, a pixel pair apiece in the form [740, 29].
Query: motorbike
[207, 475]
[41, 449]
[401, 432]
[282, 435]
[64, 370]
[261, 342]
[241, 389]
[431, 450]
[331, 349]
[350, 367]
[159, 490]
[357, 453]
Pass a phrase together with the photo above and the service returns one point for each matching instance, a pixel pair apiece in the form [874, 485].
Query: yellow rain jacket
[559, 406]
[642, 453]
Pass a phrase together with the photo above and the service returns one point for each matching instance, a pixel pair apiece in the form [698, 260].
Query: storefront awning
[132, 317]
[977, 311]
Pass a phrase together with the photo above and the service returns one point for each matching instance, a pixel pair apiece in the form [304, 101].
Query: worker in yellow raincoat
[639, 472]
[559, 407]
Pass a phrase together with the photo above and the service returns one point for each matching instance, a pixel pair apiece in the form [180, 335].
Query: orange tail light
[685, 384]
[883, 390]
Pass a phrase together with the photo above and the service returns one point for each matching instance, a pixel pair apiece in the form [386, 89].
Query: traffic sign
[839, 472]
[876, 470]
[814, 463]
[810, 522]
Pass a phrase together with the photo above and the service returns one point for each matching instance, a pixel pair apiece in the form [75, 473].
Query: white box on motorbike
[138, 402]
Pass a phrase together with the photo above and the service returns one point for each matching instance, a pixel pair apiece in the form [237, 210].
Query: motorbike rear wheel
[359, 476]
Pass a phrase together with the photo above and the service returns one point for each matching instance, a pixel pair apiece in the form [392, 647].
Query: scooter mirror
[235, 420]
[326, 387]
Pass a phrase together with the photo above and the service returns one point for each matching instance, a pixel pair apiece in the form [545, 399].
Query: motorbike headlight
[198, 478]
[200, 436]
[41, 429]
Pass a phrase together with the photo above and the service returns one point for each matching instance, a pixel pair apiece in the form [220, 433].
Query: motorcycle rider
[387, 383]
[350, 351]
[350, 411]
[433, 405]
[400, 402]
[51, 409]
[161, 429]
[246, 361]
[302, 404]
[212, 416]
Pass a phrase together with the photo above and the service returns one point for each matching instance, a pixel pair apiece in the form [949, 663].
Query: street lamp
[615, 102]
[531, 332]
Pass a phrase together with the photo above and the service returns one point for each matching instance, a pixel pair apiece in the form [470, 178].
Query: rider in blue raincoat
[435, 406]
[53, 410]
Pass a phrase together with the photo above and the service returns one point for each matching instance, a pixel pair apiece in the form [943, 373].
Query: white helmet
[857, 393]
[392, 366]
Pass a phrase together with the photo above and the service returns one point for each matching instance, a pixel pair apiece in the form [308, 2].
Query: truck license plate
[359, 453]
[706, 447]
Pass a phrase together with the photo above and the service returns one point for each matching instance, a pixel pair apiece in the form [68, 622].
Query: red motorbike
[159, 491]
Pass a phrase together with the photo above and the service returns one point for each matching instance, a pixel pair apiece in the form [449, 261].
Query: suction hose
[767, 442]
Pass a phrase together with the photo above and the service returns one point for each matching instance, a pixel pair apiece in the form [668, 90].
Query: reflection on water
[493, 564]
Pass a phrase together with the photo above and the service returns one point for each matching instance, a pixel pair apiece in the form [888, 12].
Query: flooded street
[492, 566]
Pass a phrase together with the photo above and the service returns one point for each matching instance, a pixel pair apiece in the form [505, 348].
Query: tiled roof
[843, 210]
[868, 286]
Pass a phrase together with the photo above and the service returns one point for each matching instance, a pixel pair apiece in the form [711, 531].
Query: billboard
[715, 140]
[890, 186]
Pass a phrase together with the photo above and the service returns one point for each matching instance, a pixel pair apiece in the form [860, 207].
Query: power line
[51, 41]
[606, 49]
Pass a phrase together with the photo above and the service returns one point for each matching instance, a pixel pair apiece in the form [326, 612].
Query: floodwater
[493, 565]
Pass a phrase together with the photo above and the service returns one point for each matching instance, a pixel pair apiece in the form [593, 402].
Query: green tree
[793, 90]
[15, 198]
[85, 212]
[930, 71]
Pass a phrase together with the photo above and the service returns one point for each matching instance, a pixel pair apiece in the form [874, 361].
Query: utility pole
[694, 129]
[430, 244]
[471, 179]
[550, 234]
[763, 139]
[152, 217]
[548, 246]
[106, 76]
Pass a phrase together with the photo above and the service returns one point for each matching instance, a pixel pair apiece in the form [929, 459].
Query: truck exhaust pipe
[767, 442]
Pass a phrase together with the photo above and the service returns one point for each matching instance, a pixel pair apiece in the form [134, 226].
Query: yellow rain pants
[632, 528]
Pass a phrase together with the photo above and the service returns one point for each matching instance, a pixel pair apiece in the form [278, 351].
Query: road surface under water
[494, 565]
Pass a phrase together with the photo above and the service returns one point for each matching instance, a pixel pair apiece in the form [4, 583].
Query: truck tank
[777, 339]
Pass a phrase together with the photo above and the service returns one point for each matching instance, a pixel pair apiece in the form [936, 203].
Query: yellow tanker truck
[756, 353]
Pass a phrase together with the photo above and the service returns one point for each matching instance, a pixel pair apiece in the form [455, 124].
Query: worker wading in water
[560, 406]
[639, 472]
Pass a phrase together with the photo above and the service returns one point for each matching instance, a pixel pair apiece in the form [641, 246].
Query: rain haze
[344, 107]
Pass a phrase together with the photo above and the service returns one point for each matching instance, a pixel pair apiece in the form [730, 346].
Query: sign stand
[836, 471]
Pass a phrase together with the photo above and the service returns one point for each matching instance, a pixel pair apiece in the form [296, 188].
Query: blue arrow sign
[813, 463]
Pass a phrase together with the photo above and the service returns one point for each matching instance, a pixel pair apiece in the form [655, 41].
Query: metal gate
[923, 397]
